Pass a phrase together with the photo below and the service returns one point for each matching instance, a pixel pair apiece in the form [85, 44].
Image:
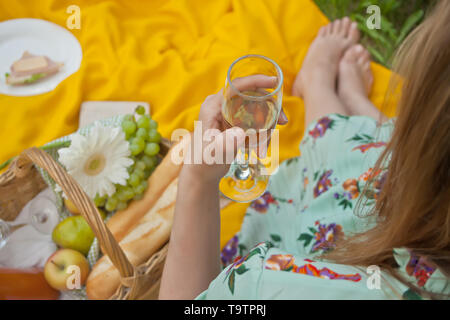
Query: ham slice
[31, 68]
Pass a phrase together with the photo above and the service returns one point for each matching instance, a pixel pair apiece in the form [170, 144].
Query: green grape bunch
[144, 139]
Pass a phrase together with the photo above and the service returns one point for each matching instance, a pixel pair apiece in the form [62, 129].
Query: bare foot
[355, 83]
[320, 67]
[355, 76]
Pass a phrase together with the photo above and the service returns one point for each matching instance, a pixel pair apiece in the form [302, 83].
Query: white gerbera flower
[98, 160]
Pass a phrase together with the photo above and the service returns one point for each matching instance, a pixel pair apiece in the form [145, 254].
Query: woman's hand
[212, 144]
[195, 238]
[215, 136]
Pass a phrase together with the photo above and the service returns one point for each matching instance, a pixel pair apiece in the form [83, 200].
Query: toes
[357, 58]
[367, 69]
[361, 60]
[352, 55]
[367, 55]
[345, 26]
[327, 29]
[358, 54]
[359, 50]
[336, 27]
[322, 31]
[348, 55]
[364, 57]
[353, 32]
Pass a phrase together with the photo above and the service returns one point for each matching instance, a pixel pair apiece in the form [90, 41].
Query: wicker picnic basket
[21, 182]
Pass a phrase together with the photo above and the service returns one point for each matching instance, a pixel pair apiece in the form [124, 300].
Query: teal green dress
[308, 205]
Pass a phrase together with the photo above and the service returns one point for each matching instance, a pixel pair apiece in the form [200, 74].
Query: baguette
[147, 236]
[141, 230]
[123, 221]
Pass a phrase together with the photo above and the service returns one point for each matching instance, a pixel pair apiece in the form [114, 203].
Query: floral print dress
[308, 205]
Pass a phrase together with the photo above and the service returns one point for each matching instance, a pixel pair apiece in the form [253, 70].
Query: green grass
[398, 19]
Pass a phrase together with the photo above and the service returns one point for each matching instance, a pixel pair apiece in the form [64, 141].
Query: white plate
[39, 37]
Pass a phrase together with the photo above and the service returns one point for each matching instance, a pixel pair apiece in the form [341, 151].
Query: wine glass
[252, 101]
[41, 213]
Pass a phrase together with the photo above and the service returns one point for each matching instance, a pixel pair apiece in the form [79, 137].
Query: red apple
[66, 269]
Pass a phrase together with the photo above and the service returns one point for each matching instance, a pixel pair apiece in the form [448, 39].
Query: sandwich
[31, 68]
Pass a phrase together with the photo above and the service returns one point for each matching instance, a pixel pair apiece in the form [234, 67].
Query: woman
[364, 213]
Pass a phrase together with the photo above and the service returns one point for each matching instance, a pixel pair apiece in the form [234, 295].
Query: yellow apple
[74, 233]
[71, 206]
[66, 269]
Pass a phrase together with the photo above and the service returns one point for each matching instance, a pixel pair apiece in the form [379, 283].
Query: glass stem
[6, 228]
[243, 170]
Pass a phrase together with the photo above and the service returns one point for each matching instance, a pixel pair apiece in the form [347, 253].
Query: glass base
[241, 187]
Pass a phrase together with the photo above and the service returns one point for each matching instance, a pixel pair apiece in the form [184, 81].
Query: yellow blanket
[171, 54]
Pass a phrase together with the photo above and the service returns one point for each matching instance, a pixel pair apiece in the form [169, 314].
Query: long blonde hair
[413, 207]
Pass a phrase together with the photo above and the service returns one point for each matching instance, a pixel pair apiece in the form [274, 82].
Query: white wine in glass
[252, 101]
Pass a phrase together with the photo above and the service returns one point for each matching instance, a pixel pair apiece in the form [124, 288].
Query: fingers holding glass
[260, 83]
[251, 101]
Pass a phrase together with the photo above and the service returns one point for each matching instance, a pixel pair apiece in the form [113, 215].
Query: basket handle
[82, 202]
